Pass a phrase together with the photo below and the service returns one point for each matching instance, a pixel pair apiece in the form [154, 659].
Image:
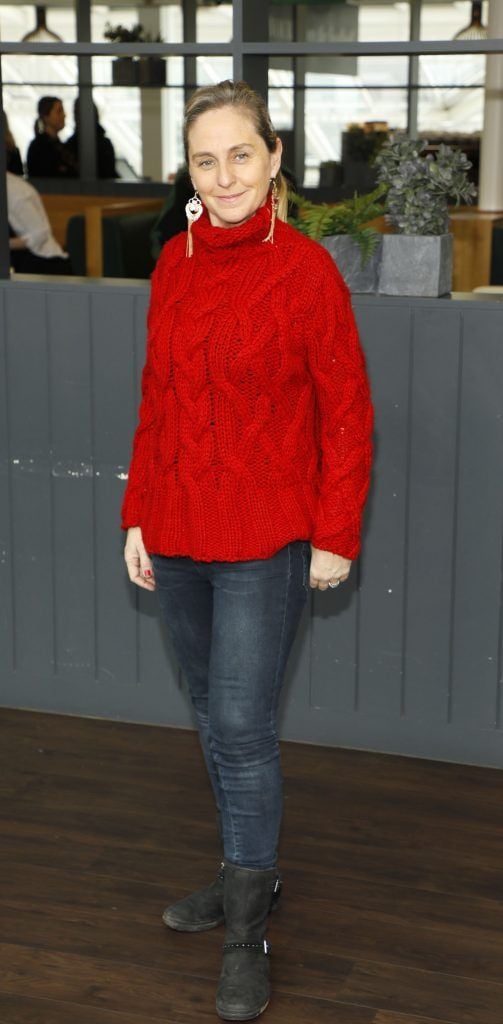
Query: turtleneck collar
[254, 229]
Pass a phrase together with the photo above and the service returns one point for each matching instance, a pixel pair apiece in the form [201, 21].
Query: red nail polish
[147, 572]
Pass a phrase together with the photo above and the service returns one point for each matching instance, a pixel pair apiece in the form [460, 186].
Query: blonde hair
[242, 96]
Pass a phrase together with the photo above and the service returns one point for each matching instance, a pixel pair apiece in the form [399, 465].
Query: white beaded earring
[193, 211]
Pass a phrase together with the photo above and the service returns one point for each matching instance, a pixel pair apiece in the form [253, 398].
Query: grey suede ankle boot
[243, 989]
[204, 909]
[201, 910]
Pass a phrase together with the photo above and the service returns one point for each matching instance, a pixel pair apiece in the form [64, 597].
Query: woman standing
[47, 156]
[250, 470]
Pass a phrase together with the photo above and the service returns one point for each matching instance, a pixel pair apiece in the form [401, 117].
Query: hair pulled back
[45, 105]
[242, 97]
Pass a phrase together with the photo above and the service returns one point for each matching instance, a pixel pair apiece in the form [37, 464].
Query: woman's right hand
[139, 564]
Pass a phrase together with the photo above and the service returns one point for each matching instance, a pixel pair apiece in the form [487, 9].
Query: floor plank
[26, 1010]
[455, 1000]
[389, 1017]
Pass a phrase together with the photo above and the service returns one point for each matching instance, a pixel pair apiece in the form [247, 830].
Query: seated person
[104, 148]
[12, 154]
[48, 157]
[34, 250]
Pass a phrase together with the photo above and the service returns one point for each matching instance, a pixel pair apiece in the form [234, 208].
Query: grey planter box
[347, 256]
[125, 71]
[151, 72]
[416, 265]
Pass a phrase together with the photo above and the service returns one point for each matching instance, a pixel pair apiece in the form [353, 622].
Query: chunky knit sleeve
[344, 413]
[143, 443]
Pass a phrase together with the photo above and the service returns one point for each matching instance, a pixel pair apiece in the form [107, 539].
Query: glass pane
[214, 24]
[155, 20]
[452, 97]
[145, 127]
[443, 21]
[382, 22]
[329, 112]
[281, 95]
[120, 116]
[172, 120]
[211, 70]
[26, 80]
[375, 93]
[17, 21]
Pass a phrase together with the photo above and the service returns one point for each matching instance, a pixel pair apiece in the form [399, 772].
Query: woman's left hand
[327, 569]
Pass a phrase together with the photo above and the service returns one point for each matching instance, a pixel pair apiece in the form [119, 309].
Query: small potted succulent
[417, 260]
[145, 71]
[343, 228]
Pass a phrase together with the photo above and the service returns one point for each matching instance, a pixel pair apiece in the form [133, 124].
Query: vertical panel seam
[50, 438]
[136, 396]
[499, 673]
[10, 485]
[310, 655]
[454, 552]
[94, 517]
[356, 695]
[406, 532]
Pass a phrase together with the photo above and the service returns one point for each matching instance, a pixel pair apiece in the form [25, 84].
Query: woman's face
[230, 165]
[55, 119]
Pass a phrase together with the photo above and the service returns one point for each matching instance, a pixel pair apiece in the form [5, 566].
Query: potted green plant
[124, 69]
[417, 260]
[145, 71]
[343, 229]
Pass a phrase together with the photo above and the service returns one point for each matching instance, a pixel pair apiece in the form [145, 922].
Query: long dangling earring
[193, 211]
[274, 211]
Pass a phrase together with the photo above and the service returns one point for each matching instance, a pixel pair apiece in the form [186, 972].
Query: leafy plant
[420, 187]
[317, 220]
[363, 145]
[136, 34]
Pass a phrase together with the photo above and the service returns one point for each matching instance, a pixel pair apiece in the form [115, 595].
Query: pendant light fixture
[41, 34]
[475, 30]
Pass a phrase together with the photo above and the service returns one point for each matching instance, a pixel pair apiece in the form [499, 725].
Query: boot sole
[239, 1016]
[178, 926]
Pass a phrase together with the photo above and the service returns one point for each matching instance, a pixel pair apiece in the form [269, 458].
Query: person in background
[104, 147]
[13, 156]
[250, 470]
[172, 218]
[47, 156]
[34, 250]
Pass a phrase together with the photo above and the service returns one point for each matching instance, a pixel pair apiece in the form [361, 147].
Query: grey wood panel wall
[407, 657]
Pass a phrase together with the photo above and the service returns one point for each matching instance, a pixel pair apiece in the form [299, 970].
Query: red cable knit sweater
[256, 420]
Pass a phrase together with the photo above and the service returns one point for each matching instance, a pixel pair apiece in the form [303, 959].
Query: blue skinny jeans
[232, 625]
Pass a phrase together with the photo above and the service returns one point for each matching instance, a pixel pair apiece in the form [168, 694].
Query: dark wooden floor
[393, 867]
